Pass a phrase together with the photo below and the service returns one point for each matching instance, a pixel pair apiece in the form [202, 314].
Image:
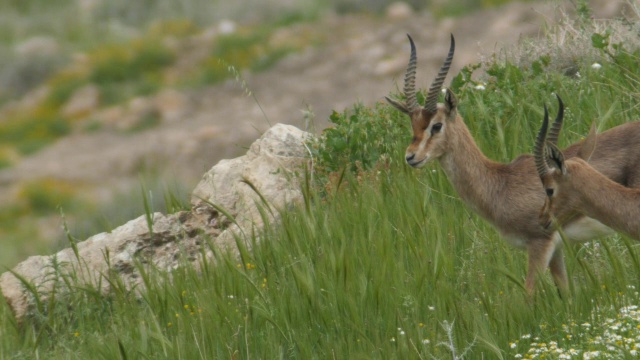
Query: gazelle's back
[519, 195]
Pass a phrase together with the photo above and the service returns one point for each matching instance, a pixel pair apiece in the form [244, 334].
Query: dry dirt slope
[363, 60]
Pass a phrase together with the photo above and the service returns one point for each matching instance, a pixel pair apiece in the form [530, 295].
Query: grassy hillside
[77, 69]
[383, 261]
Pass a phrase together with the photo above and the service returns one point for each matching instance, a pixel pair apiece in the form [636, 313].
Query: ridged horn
[432, 98]
[410, 79]
[557, 123]
[539, 148]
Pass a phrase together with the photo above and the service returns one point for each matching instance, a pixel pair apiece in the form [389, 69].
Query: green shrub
[149, 56]
[148, 121]
[127, 70]
[112, 64]
[128, 62]
[63, 85]
[248, 49]
[47, 196]
[360, 138]
[30, 132]
[179, 27]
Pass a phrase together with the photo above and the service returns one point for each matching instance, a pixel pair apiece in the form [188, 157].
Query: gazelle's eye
[549, 192]
[436, 128]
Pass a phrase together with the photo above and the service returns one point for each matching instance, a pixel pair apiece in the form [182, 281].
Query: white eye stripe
[425, 137]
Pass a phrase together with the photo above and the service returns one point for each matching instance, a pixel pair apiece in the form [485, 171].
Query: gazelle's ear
[589, 144]
[450, 102]
[398, 105]
[555, 158]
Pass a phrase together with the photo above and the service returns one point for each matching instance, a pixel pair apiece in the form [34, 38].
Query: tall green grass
[379, 271]
[380, 261]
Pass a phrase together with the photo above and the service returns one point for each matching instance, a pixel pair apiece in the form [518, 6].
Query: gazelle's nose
[410, 157]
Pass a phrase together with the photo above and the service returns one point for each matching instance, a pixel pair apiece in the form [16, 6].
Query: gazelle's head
[429, 122]
[555, 174]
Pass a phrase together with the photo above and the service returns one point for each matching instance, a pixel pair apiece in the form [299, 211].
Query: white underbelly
[581, 230]
[585, 229]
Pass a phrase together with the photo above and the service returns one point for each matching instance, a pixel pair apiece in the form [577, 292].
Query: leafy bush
[249, 49]
[25, 7]
[147, 121]
[30, 132]
[128, 62]
[46, 196]
[7, 156]
[173, 27]
[360, 140]
[122, 71]
[62, 86]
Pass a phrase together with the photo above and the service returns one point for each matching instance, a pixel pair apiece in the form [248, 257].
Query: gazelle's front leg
[559, 271]
[540, 254]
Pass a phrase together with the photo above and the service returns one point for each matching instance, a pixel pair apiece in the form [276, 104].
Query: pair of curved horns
[410, 80]
[539, 150]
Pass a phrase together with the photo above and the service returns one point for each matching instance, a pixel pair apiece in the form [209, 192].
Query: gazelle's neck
[472, 174]
[600, 198]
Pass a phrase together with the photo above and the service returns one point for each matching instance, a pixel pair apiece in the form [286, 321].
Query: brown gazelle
[509, 195]
[573, 187]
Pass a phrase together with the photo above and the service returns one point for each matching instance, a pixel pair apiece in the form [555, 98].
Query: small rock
[171, 105]
[227, 27]
[110, 116]
[399, 11]
[390, 66]
[38, 46]
[83, 102]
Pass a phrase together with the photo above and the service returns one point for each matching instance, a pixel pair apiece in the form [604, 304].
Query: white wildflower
[596, 66]
[590, 355]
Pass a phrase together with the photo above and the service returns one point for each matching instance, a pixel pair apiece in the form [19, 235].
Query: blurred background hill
[102, 101]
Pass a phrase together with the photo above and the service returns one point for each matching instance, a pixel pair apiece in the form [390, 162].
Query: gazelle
[508, 195]
[573, 187]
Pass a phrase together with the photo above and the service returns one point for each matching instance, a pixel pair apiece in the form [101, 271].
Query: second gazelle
[573, 188]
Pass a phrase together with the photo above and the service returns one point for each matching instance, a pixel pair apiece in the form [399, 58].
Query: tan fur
[582, 190]
[509, 196]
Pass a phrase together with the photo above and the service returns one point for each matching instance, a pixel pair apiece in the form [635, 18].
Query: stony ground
[362, 60]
